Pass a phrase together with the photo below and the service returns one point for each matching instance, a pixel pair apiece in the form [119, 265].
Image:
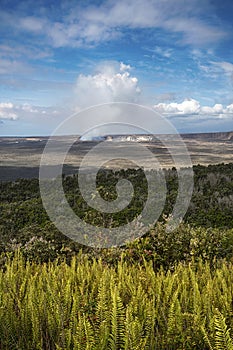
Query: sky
[59, 57]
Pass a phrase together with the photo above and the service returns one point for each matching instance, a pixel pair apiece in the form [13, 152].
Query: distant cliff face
[121, 138]
[219, 136]
[133, 138]
[30, 141]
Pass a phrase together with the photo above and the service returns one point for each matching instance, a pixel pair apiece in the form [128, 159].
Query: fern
[89, 305]
[84, 336]
[206, 338]
[117, 335]
[223, 339]
[103, 313]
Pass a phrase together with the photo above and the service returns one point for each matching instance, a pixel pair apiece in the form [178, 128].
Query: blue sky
[58, 57]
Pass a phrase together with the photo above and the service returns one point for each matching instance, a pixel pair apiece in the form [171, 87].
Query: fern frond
[223, 339]
[117, 335]
[206, 338]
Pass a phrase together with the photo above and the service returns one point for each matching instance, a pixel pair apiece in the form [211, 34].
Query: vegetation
[24, 223]
[167, 290]
[89, 305]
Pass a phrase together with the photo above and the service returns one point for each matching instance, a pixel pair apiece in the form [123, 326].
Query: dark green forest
[206, 230]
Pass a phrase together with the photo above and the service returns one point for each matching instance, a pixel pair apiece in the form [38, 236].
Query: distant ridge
[21, 156]
[211, 136]
[207, 136]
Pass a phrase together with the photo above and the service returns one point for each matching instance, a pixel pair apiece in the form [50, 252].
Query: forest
[166, 290]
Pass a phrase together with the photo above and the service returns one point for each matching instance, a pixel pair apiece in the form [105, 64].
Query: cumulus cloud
[11, 111]
[28, 119]
[7, 111]
[110, 84]
[187, 115]
[215, 110]
[124, 67]
[191, 107]
[229, 109]
[188, 106]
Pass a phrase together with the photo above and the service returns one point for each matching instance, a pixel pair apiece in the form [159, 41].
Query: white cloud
[227, 67]
[13, 66]
[188, 106]
[20, 50]
[192, 108]
[11, 111]
[26, 119]
[97, 23]
[6, 105]
[195, 31]
[188, 115]
[215, 110]
[28, 108]
[229, 109]
[32, 24]
[162, 52]
[108, 85]
[7, 111]
[215, 69]
[124, 67]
